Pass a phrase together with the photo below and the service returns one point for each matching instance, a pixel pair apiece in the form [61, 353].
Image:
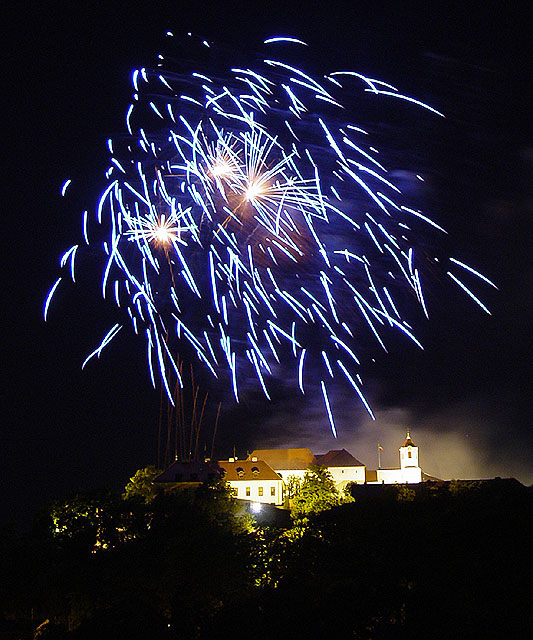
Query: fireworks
[249, 220]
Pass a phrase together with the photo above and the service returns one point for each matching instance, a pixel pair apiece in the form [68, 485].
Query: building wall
[389, 476]
[254, 486]
[412, 474]
[409, 475]
[408, 457]
[343, 475]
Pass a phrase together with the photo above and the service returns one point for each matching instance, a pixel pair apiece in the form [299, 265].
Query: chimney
[254, 459]
[231, 460]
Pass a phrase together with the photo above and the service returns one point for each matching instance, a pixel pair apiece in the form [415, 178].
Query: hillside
[453, 560]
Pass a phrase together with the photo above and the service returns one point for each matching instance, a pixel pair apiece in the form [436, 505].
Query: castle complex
[264, 475]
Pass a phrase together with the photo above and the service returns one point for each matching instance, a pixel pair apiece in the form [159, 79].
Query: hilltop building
[408, 473]
[253, 480]
[286, 462]
[263, 476]
[343, 467]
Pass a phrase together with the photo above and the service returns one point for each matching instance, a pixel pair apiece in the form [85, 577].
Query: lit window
[247, 491]
[260, 491]
[240, 472]
[255, 471]
[272, 491]
[408, 454]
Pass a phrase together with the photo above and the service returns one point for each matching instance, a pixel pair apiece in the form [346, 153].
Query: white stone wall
[389, 476]
[343, 475]
[254, 486]
[410, 475]
[408, 457]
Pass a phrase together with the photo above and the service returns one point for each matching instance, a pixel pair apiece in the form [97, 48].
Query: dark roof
[284, 459]
[338, 458]
[194, 471]
[248, 470]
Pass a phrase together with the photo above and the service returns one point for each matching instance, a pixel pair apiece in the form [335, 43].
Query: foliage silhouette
[453, 559]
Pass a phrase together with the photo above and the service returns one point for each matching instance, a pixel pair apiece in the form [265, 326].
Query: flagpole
[379, 456]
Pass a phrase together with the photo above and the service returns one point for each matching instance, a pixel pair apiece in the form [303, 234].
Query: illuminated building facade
[264, 475]
[253, 480]
[408, 473]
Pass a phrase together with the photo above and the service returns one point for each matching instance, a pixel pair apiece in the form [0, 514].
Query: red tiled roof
[247, 470]
[284, 459]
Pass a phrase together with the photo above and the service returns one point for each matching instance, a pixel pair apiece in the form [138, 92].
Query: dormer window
[255, 471]
[240, 472]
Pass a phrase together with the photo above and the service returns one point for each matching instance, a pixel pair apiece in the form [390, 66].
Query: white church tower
[410, 470]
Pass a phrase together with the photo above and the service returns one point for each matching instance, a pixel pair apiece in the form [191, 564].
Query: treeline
[451, 561]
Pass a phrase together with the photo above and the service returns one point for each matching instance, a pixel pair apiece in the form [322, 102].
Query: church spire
[408, 442]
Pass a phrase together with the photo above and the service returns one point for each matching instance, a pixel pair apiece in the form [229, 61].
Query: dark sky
[66, 84]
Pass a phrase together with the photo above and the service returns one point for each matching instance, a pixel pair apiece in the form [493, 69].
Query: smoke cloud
[459, 442]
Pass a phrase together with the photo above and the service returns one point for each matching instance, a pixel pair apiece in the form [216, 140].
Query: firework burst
[248, 218]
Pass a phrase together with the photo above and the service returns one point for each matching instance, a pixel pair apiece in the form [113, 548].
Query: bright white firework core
[253, 191]
[163, 235]
[221, 169]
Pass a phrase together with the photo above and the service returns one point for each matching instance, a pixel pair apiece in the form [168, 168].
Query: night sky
[466, 397]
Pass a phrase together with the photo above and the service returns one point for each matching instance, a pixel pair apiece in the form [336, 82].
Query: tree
[405, 493]
[142, 484]
[87, 521]
[316, 493]
[292, 485]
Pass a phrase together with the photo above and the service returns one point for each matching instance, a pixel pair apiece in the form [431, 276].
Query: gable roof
[284, 459]
[246, 470]
[338, 458]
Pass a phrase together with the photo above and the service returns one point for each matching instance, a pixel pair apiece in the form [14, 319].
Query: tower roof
[408, 442]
